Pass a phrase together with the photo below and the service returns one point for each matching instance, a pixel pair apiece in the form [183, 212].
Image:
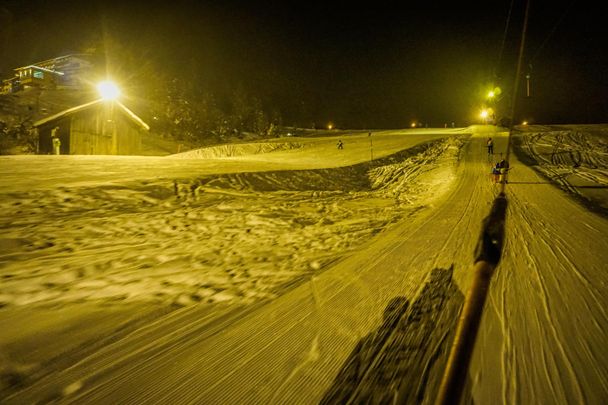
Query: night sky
[359, 67]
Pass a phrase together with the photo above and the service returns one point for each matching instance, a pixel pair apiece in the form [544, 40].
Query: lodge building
[65, 71]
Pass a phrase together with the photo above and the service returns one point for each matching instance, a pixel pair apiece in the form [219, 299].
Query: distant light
[108, 90]
[330, 126]
[413, 125]
[491, 94]
[524, 123]
[484, 114]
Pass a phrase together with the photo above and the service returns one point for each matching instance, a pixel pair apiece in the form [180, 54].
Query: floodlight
[108, 90]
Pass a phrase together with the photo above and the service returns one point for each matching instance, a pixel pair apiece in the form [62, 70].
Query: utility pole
[487, 257]
[371, 147]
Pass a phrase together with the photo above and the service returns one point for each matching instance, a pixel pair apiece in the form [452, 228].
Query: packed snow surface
[294, 272]
[218, 237]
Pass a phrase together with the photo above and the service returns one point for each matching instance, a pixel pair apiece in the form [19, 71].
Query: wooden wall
[104, 130]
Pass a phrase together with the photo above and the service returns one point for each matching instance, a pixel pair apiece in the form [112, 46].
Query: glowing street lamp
[108, 90]
[330, 126]
[494, 94]
[484, 114]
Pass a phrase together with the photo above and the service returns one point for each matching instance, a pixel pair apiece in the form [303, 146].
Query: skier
[504, 168]
[490, 144]
[340, 144]
[496, 172]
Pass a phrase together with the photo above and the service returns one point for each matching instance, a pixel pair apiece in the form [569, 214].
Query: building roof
[72, 55]
[40, 68]
[86, 106]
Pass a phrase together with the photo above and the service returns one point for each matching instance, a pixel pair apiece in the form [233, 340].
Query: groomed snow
[313, 245]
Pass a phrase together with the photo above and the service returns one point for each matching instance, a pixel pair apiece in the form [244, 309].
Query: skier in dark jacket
[504, 168]
[496, 172]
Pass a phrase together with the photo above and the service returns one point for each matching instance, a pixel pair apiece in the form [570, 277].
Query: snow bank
[234, 238]
[231, 150]
[574, 159]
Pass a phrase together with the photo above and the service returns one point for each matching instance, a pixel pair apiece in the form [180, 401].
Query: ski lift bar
[488, 252]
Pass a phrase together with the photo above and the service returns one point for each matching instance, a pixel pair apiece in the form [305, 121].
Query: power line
[559, 21]
[504, 38]
[520, 58]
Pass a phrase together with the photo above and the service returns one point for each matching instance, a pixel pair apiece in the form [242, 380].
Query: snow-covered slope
[375, 325]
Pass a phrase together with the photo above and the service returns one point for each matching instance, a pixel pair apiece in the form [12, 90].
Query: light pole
[371, 147]
[109, 92]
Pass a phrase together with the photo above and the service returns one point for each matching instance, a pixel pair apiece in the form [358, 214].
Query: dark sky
[378, 66]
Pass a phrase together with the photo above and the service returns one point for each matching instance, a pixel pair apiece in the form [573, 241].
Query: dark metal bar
[487, 256]
[457, 368]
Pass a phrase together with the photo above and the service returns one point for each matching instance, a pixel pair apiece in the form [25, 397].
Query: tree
[179, 106]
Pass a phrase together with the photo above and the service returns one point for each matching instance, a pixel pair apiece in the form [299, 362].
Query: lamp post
[109, 92]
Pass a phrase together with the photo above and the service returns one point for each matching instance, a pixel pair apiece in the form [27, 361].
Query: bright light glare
[108, 90]
[491, 94]
[524, 123]
[484, 114]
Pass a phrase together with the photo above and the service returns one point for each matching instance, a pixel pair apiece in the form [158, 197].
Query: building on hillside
[37, 76]
[69, 71]
[100, 127]
[76, 68]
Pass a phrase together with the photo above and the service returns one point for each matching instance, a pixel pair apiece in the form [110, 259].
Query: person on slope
[504, 168]
[496, 173]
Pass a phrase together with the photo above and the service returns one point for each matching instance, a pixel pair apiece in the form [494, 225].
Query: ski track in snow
[539, 285]
[565, 291]
[215, 245]
[543, 333]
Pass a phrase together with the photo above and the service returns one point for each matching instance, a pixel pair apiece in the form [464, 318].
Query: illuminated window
[39, 75]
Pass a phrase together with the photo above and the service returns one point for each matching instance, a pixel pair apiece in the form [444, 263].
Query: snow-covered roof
[72, 55]
[41, 68]
[82, 107]
[133, 116]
